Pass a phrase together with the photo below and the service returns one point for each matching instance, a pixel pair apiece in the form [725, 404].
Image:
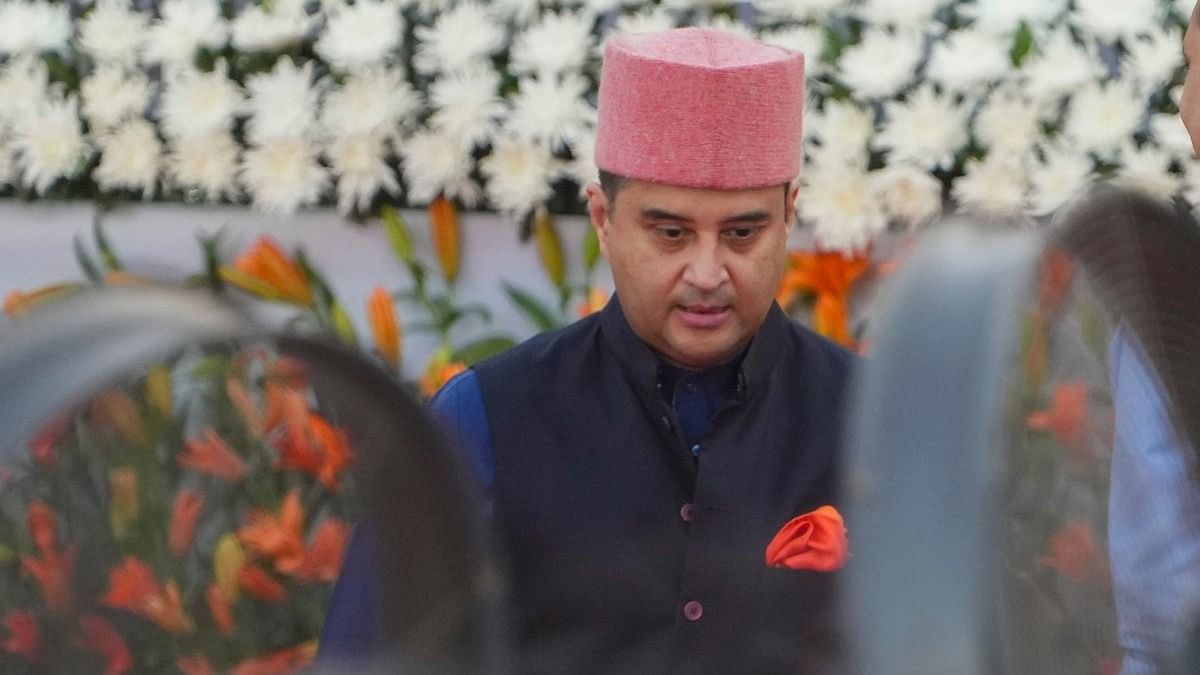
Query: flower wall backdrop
[1002, 108]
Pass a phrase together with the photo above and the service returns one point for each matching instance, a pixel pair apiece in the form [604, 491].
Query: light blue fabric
[1154, 516]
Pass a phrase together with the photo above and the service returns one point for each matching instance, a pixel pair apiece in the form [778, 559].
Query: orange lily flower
[382, 316]
[114, 409]
[439, 371]
[17, 303]
[218, 606]
[596, 300]
[1055, 274]
[830, 276]
[443, 222]
[99, 636]
[277, 662]
[213, 456]
[259, 584]
[322, 560]
[52, 570]
[243, 403]
[276, 537]
[267, 272]
[1067, 417]
[194, 665]
[1073, 552]
[184, 514]
[133, 588]
[314, 446]
[23, 636]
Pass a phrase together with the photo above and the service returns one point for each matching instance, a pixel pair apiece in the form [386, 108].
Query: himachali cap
[701, 108]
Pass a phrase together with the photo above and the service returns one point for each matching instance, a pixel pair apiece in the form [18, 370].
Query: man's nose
[706, 270]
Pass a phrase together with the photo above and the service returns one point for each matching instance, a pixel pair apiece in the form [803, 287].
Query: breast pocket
[801, 610]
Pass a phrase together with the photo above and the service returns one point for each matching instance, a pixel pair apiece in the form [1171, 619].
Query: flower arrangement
[1001, 108]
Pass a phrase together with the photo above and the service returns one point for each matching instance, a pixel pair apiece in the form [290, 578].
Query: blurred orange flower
[184, 514]
[829, 276]
[1055, 274]
[439, 371]
[23, 637]
[1073, 552]
[282, 661]
[133, 588]
[194, 665]
[213, 456]
[595, 301]
[218, 606]
[267, 272]
[99, 635]
[382, 316]
[276, 537]
[52, 570]
[257, 583]
[41, 449]
[1067, 417]
[443, 222]
[312, 445]
[244, 404]
[323, 558]
[17, 303]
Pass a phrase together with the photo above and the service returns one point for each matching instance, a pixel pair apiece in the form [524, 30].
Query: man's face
[696, 270]
[1189, 104]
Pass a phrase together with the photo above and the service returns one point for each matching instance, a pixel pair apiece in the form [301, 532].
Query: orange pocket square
[813, 541]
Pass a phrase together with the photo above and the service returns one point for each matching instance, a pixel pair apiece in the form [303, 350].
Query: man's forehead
[641, 196]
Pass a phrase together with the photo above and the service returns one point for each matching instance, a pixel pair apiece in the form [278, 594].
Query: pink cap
[701, 108]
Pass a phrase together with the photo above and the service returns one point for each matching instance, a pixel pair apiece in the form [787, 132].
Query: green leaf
[90, 269]
[542, 317]
[397, 234]
[484, 348]
[1022, 45]
[106, 251]
[212, 261]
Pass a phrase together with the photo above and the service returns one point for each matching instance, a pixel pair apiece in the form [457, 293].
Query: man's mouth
[704, 316]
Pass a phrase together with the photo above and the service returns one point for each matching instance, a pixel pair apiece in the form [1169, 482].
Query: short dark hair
[611, 184]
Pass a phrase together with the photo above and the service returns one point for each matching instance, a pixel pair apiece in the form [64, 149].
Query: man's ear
[789, 205]
[598, 213]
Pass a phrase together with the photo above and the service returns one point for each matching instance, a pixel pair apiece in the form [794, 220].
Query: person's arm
[351, 629]
[1154, 516]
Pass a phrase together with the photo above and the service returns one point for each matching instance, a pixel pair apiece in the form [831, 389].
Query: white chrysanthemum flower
[650, 21]
[520, 12]
[926, 130]
[559, 43]
[1101, 118]
[838, 200]
[518, 176]
[1191, 183]
[1008, 122]
[882, 64]
[24, 84]
[1183, 8]
[1168, 131]
[1147, 170]
[1060, 66]
[112, 32]
[50, 143]
[32, 27]
[435, 163]
[908, 194]
[458, 39]
[467, 106]
[841, 132]
[1004, 18]
[905, 14]
[362, 34]
[112, 95]
[198, 104]
[994, 186]
[968, 59]
[358, 162]
[283, 174]
[808, 40]
[8, 164]
[725, 23]
[271, 27]
[184, 27]
[130, 157]
[208, 163]
[370, 102]
[1057, 179]
[551, 113]
[1153, 60]
[282, 103]
[1112, 20]
[797, 10]
[582, 167]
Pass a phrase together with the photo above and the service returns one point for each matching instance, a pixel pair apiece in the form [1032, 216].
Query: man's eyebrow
[653, 213]
[749, 218]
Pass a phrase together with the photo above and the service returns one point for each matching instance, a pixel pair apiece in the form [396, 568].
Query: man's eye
[741, 233]
[671, 233]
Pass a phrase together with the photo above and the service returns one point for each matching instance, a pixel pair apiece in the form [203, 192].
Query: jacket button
[693, 610]
[685, 512]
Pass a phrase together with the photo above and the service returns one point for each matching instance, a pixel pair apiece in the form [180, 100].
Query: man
[1154, 504]
[641, 460]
